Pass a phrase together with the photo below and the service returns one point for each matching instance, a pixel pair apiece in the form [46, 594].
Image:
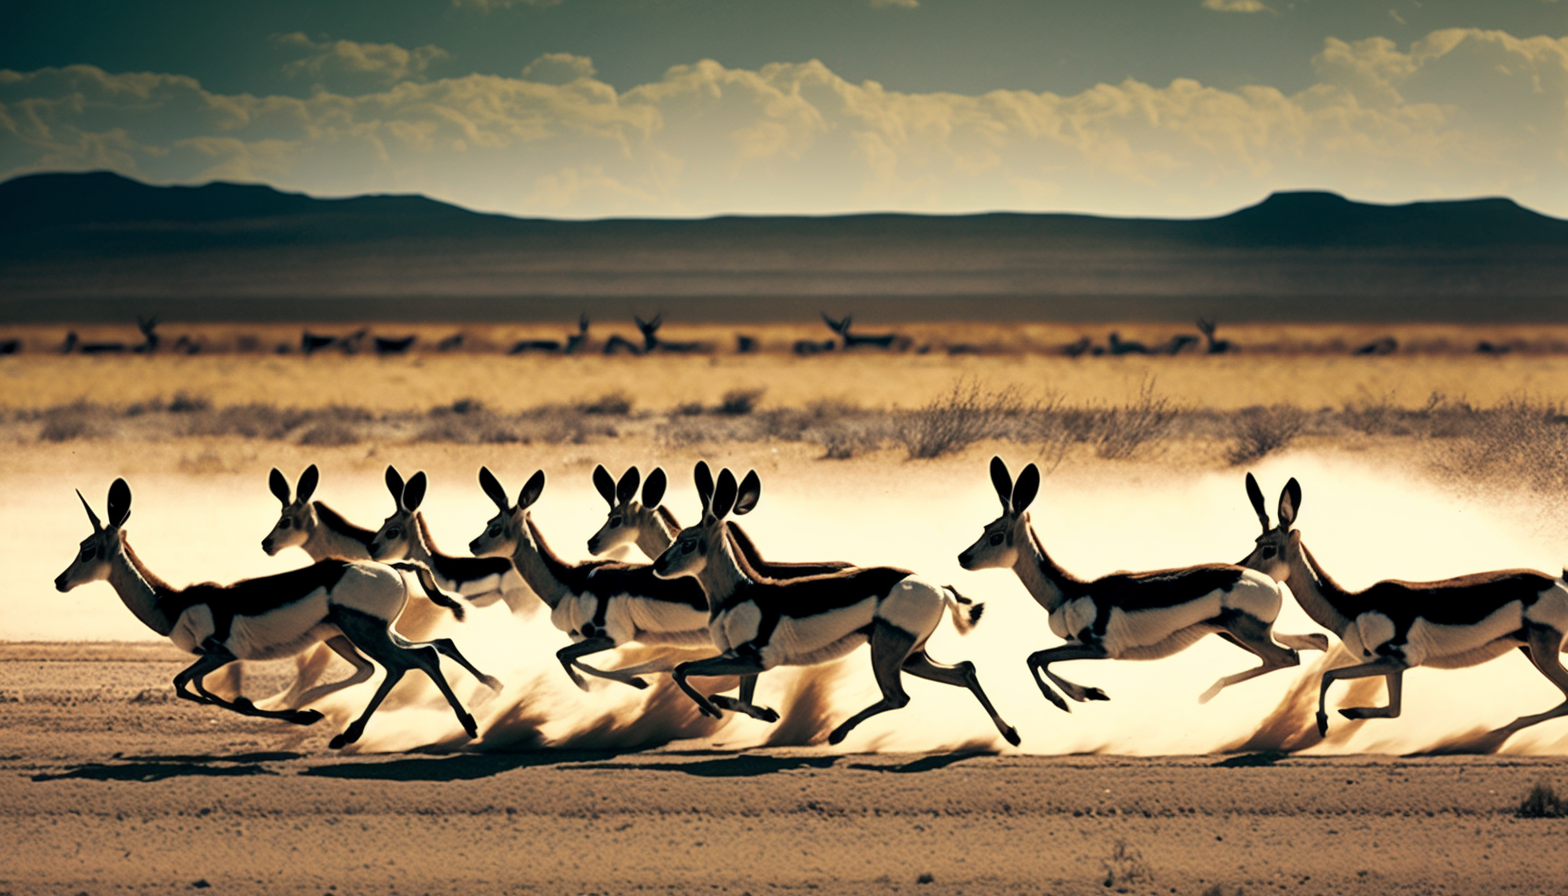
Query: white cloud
[1457, 113]
[346, 64]
[1236, 6]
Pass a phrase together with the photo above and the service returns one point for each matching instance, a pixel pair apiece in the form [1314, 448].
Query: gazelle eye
[995, 539]
[688, 547]
[1268, 552]
[393, 533]
[495, 532]
[615, 522]
[88, 553]
[284, 523]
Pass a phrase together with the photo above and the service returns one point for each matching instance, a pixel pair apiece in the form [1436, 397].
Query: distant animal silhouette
[1120, 346]
[856, 340]
[10, 346]
[574, 342]
[618, 343]
[310, 343]
[186, 345]
[652, 342]
[150, 340]
[386, 345]
[1487, 347]
[808, 347]
[1078, 348]
[73, 343]
[745, 345]
[451, 343]
[1178, 343]
[1216, 346]
[1385, 346]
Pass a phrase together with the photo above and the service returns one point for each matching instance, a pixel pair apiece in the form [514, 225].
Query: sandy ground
[109, 785]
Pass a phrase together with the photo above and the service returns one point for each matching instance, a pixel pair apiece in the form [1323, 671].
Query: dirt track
[107, 784]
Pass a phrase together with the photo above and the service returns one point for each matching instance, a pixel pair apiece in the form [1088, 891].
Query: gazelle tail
[962, 620]
[427, 580]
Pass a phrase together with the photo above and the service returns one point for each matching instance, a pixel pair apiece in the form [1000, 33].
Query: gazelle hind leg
[570, 657]
[743, 661]
[1391, 669]
[373, 636]
[961, 675]
[1039, 664]
[448, 648]
[1254, 636]
[890, 648]
[1543, 645]
[743, 703]
[217, 658]
[1314, 641]
[364, 670]
[309, 667]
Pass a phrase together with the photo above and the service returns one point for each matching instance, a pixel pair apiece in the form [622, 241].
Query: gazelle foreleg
[744, 661]
[448, 648]
[1392, 671]
[571, 654]
[214, 657]
[373, 635]
[890, 649]
[961, 675]
[1040, 661]
[363, 671]
[742, 703]
[1543, 645]
[1252, 635]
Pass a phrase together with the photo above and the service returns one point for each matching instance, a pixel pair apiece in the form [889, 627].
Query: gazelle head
[628, 518]
[506, 529]
[298, 519]
[392, 539]
[1280, 545]
[689, 553]
[92, 559]
[998, 544]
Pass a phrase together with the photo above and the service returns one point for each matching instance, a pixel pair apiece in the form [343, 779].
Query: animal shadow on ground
[160, 768]
[923, 764]
[456, 767]
[739, 765]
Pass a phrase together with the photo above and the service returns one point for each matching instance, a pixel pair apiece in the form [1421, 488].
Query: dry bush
[186, 403]
[737, 402]
[1260, 431]
[1542, 802]
[1522, 442]
[81, 420]
[1140, 424]
[467, 422]
[1125, 868]
[611, 404]
[848, 438]
[331, 433]
[963, 416]
[251, 421]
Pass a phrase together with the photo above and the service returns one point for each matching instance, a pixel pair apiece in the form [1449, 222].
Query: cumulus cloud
[1236, 6]
[349, 65]
[1457, 113]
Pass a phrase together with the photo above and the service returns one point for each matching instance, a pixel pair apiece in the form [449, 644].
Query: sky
[682, 108]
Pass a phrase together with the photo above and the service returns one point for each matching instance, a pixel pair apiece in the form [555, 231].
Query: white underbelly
[797, 640]
[1428, 642]
[1129, 631]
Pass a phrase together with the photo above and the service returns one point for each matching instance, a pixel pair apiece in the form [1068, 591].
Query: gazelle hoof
[837, 737]
[1322, 724]
[244, 703]
[493, 683]
[637, 683]
[1353, 713]
[1010, 734]
[469, 725]
[305, 717]
[338, 742]
[1095, 694]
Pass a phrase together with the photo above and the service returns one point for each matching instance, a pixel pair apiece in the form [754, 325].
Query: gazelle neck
[1319, 595]
[420, 547]
[658, 532]
[722, 575]
[139, 589]
[538, 565]
[327, 541]
[1047, 583]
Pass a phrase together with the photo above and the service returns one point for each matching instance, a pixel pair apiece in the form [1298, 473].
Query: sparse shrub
[689, 409]
[1542, 802]
[740, 401]
[1126, 431]
[958, 419]
[1522, 441]
[330, 433]
[849, 438]
[186, 403]
[616, 404]
[73, 421]
[251, 421]
[1125, 867]
[466, 422]
[1260, 431]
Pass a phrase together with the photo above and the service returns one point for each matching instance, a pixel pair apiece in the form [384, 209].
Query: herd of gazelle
[708, 588]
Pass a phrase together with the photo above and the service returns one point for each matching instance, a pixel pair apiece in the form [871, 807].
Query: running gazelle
[758, 623]
[483, 580]
[1395, 625]
[349, 604]
[1133, 616]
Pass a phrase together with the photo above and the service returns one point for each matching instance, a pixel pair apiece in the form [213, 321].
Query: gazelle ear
[1027, 486]
[750, 493]
[604, 484]
[279, 486]
[414, 492]
[119, 503]
[91, 517]
[394, 484]
[723, 494]
[493, 490]
[653, 489]
[1002, 481]
[704, 479]
[626, 489]
[307, 484]
[532, 489]
[1255, 495]
[1289, 503]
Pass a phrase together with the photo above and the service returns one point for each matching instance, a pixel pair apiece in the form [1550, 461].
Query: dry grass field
[1430, 461]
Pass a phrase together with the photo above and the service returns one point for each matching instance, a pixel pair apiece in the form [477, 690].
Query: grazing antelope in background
[600, 604]
[1394, 625]
[1216, 346]
[1120, 346]
[574, 342]
[856, 340]
[758, 623]
[349, 604]
[1133, 616]
[652, 527]
[652, 342]
[405, 534]
[150, 338]
[394, 345]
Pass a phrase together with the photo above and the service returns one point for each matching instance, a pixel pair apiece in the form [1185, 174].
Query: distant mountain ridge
[102, 246]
